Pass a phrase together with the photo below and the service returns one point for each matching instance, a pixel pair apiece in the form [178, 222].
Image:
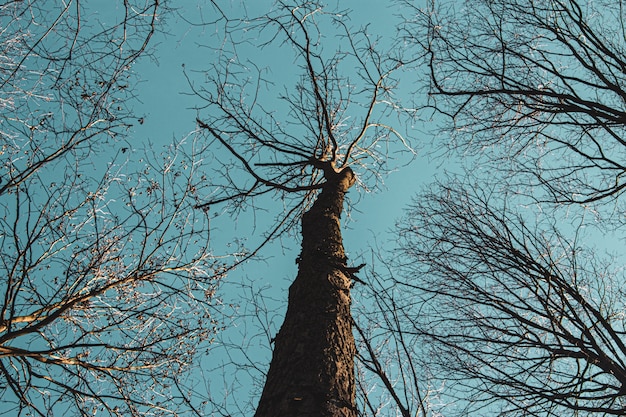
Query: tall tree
[107, 285]
[325, 135]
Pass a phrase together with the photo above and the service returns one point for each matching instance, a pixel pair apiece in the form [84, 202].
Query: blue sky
[168, 108]
[165, 112]
[169, 115]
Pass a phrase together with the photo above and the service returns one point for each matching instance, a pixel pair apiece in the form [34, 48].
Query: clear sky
[257, 290]
[169, 115]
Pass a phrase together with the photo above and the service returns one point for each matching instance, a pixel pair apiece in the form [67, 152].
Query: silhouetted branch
[519, 317]
[108, 284]
[535, 88]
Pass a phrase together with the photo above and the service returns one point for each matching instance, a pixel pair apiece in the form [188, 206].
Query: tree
[323, 138]
[520, 317]
[521, 312]
[108, 284]
[391, 379]
[540, 83]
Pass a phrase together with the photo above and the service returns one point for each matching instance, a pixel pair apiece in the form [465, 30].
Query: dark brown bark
[312, 369]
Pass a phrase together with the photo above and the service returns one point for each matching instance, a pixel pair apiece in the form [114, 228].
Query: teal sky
[258, 288]
[169, 115]
[232, 369]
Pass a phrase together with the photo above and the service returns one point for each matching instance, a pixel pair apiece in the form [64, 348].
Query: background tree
[108, 286]
[519, 316]
[391, 379]
[539, 83]
[305, 146]
[519, 308]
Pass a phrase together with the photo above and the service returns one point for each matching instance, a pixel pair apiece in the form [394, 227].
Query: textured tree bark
[312, 368]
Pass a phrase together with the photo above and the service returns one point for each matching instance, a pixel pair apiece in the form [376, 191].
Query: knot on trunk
[343, 178]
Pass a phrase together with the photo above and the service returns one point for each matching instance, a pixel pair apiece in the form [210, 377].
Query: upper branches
[65, 80]
[315, 101]
[542, 82]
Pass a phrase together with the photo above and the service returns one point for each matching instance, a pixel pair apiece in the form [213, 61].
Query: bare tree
[520, 313]
[390, 379]
[305, 145]
[517, 317]
[541, 83]
[108, 286]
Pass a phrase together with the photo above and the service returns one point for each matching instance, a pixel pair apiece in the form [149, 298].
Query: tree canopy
[497, 295]
[108, 286]
[513, 295]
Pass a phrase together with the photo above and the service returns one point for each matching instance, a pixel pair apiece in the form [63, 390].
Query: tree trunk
[312, 368]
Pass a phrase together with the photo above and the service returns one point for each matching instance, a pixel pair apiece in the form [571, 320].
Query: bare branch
[521, 318]
[532, 88]
[108, 286]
